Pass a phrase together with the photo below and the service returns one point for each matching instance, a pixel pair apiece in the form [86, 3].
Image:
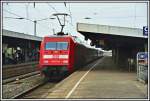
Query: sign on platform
[142, 56]
[145, 31]
[142, 66]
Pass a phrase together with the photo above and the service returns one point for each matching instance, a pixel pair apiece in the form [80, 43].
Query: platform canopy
[106, 36]
[19, 35]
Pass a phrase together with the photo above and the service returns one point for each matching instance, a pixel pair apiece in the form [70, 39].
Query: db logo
[145, 31]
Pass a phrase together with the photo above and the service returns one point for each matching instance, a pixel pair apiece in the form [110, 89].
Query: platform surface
[104, 80]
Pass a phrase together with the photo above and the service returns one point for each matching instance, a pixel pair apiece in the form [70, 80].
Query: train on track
[60, 54]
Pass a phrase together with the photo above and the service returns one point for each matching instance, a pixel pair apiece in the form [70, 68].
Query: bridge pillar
[113, 54]
[146, 47]
[123, 55]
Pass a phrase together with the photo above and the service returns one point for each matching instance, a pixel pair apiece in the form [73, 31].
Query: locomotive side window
[62, 45]
[50, 46]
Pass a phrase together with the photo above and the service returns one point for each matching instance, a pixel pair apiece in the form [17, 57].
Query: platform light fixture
[87, 18]
[52, 18]
[14, 18]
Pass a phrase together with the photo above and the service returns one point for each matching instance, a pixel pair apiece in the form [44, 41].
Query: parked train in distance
[64, 54]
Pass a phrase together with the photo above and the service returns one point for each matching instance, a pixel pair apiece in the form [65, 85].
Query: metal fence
[142, 67]
[142, 73]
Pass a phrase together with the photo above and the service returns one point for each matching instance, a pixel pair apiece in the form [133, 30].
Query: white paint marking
[68, 95]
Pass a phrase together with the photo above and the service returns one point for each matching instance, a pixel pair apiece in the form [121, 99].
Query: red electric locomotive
[64, 54]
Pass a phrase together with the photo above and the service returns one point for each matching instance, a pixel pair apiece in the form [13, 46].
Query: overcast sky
[115, 14]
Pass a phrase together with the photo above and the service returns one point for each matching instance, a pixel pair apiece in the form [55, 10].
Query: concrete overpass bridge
[124, 42]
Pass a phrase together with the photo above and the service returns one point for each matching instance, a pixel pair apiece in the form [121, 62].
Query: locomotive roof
[58, 36]
[74, 38]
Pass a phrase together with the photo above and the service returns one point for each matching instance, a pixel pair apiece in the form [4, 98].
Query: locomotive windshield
[62, 45]
[56, 46]
[50, 46]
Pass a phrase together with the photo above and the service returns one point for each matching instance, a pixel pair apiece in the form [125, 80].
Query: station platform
[19, 47]
[98, 80]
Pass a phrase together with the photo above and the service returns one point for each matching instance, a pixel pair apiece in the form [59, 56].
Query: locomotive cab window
[50, 46]
[56, 46]
[62, 45]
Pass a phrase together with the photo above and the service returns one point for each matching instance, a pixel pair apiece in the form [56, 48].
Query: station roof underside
[20, 35]
[113, 35]
[110, 30]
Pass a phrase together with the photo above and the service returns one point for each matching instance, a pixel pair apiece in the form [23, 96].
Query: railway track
[21, 79]
[12, 79]
[16, 88]
[28, 86]
[36, 92]
[20, 95]
[39, 90]
[31, 85]
[10, 71]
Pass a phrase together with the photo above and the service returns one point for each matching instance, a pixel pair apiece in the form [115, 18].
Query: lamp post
[14, 18]
[52, 18]
[20, 18]
[35, 22]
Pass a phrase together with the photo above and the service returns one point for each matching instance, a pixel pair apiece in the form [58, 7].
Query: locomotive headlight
[47, 56]
[46, 61]
[65, 61]
[63, 56]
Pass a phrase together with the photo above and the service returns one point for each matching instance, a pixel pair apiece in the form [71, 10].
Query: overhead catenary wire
[70, 15]
[16, 14]
[57, 12]
[25, 17]
[39, 12]
[52, 7]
